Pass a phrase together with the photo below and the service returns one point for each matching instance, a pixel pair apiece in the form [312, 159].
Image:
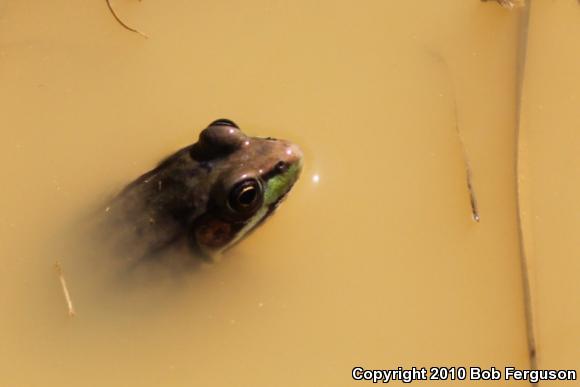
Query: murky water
[374, 260]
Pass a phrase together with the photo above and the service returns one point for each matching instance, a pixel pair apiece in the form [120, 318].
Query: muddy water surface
[376, 262]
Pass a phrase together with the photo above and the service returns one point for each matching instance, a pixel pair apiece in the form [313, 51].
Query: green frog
[208, 195]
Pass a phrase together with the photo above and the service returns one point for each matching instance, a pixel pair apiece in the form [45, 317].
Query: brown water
[377, 264]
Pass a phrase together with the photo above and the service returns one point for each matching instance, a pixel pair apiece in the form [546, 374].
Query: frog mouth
[290, 177]
[277, 189]
[272, 207]
[267, 211]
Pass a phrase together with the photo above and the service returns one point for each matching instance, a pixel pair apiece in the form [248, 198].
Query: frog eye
[246, 196]
[219, 138]
[224, 122]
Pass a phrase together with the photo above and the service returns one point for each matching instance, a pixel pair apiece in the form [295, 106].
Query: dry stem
[71, 310]
[121, 22]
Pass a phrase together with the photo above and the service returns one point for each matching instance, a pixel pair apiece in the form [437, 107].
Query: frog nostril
[281, 166]
[224, 122]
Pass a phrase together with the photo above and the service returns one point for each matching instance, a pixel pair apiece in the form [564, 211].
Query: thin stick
[510, 4]
[121, 22]
[71, 310]
[523, 243]
[468, 174]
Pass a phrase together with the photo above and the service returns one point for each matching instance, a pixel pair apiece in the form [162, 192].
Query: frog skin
[209, 194]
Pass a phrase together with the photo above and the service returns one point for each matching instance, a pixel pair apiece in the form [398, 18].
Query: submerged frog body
[209, 194]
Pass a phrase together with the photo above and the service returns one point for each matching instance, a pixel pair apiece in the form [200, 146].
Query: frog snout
[294, 153]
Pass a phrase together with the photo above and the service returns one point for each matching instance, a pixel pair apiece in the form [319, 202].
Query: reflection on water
[373, 260]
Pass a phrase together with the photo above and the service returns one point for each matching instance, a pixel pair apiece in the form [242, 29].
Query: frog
[207, 196]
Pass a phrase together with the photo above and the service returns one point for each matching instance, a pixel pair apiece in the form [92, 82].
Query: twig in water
[121, 22]
[472, 199]
[524, 244]
[468, 174]
[510, 4]
[71, 310]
